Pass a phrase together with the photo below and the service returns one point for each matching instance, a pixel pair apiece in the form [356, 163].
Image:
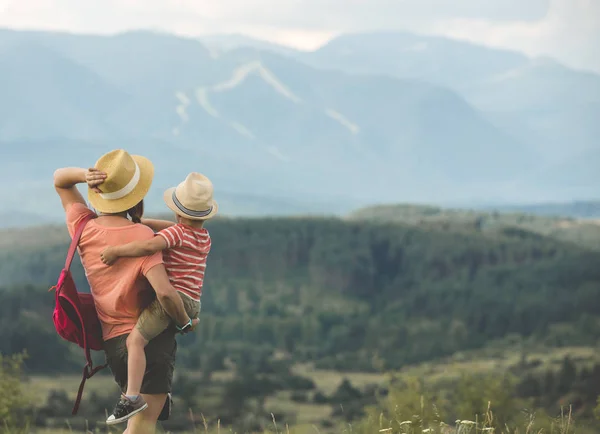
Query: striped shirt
[185, 258]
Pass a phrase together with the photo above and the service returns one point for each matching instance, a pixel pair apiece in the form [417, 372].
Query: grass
[564, 424]
[466, 363]
[306, 413]
[486, 424]
[309, 416]
[39, 387]
[327, 381]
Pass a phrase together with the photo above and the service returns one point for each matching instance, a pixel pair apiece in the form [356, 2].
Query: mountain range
[367, 118]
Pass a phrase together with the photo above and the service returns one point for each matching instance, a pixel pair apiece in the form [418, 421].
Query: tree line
[344, 294]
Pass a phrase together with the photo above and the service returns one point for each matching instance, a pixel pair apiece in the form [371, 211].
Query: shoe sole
[129, 416]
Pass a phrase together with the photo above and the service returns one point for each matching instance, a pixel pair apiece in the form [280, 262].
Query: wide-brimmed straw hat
[193, 198]
[128, 179]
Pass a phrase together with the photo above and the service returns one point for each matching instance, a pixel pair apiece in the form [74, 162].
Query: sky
[567, 30]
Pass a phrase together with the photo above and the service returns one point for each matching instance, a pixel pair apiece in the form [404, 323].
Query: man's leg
[165, 414]
[160, 356]
[145, 422]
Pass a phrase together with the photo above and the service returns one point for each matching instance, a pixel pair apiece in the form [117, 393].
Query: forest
[354, 296]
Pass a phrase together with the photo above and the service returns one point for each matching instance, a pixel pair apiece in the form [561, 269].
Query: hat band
[188, 211]
[120, 194]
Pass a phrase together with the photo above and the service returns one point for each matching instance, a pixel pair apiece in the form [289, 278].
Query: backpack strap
[75, 241]
[73, 248]
[88, 370]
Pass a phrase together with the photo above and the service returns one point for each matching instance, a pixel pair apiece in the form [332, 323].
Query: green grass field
[308, 416]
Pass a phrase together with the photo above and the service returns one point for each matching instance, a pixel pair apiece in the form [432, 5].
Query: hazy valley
[409, 229]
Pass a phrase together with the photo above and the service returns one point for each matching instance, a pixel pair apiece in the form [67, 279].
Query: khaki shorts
[160, 362]
[155, 319]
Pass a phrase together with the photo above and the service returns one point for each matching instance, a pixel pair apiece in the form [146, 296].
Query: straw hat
[193, 198]
[128, 180]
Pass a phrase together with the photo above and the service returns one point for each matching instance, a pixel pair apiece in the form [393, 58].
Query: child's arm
[134, 249]
[157, 225]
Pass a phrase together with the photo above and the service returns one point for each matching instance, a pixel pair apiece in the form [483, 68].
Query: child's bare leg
[136, 362]
[132, 402]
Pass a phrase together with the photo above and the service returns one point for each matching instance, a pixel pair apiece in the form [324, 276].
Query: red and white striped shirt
[185, 258]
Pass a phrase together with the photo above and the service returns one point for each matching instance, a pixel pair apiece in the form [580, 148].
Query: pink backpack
[75, 318]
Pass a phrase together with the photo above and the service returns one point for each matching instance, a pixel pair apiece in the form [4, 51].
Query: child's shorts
[155, 319]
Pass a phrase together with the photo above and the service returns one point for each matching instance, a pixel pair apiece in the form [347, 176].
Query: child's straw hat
[193, 198]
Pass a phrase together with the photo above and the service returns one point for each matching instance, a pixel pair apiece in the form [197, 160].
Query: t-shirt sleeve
[173, 236]
[153, 260]
[75, 214]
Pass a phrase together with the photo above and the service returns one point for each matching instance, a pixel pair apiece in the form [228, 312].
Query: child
[185, 247]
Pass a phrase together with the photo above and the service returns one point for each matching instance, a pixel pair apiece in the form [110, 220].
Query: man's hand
[109, 256]
[94, 178]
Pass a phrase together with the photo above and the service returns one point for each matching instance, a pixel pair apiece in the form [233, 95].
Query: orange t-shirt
[120, 291]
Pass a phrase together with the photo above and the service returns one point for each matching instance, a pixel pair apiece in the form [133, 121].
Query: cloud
[570, 31]
[209, 15]
[101, 16]
[347, 15]
[566, 29]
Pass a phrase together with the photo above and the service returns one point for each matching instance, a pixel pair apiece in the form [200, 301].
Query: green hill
[301, 316]
[338, 292]
[584, 232]
[587, 209]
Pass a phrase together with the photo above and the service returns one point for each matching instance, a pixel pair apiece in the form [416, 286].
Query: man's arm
[157, 225]
[134, 249]
[66, 179]
[167, 295]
